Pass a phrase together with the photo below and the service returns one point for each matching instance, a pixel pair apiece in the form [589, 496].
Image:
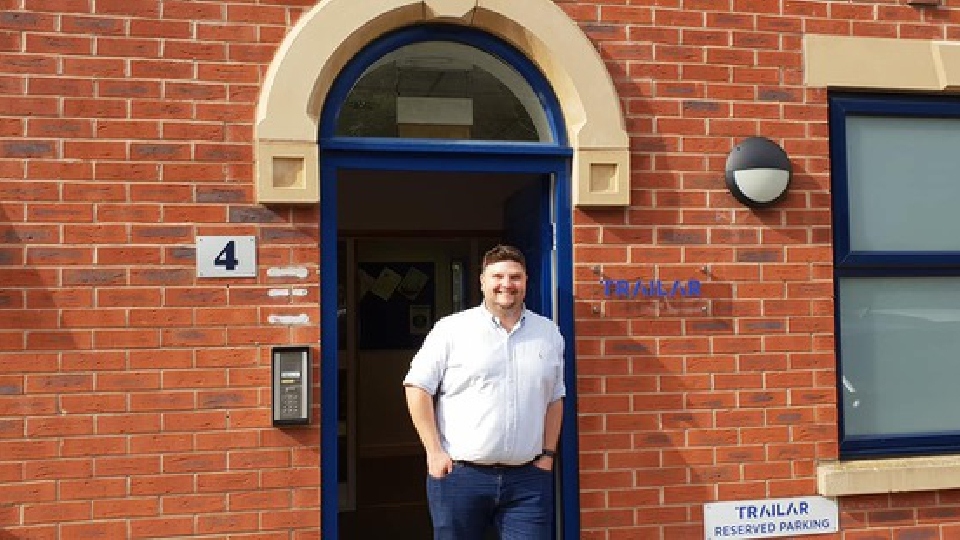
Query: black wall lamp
[758, 172]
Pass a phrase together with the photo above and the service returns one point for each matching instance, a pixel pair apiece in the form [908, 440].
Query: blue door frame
[402, 156]
[545, 158]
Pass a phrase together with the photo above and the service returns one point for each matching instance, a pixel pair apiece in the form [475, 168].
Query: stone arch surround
[334, 31]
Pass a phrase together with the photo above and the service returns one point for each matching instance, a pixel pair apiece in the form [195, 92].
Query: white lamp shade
[762, 185]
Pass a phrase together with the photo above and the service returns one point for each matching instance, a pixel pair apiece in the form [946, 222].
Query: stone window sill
[839, 478]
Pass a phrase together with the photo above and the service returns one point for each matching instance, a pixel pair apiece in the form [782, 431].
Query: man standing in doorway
[485, 393]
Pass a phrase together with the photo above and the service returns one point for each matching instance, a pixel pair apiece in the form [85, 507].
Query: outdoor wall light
[758, 172]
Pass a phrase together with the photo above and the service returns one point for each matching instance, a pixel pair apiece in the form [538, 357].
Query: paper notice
[412, 283]
[386, 283]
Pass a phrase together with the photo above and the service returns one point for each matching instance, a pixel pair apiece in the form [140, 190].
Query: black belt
[492, 465]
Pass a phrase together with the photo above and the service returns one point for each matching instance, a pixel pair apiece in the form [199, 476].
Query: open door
[528, 225]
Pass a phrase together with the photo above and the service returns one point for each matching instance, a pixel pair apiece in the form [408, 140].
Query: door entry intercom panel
[291, 385]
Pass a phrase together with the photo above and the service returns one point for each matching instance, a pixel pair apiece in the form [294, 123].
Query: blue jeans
[516, 501]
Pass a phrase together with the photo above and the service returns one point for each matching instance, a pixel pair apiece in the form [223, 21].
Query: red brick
[286, 519]
[128, 423]
[166, 527]
[290, 477]
[147, 9]
[261, 500]
[227, 441]
[153, 443]
[56, 512]
[84, 24]
[93, 488]
[97, 529]
[59, 426]
[58, 469]
[194, 421]
[125, 129]
[227, 523]
[160, 28]
[157, 359]
[229, 481]
[96, 403]
[194, 504]
[93, 192]
[164, 484]
[59, 44]
[127, 507]
[126, 47]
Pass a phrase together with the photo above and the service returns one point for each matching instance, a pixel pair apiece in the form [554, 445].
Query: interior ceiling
[416, 201]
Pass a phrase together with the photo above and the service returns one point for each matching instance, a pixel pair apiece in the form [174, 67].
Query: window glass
[442, 89]
[899, 341]
[895, 166]
[897, 272]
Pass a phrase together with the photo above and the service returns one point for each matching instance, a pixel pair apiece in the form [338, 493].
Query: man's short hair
[503, 252]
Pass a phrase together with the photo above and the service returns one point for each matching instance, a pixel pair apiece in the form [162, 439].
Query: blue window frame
[355, 69]
[551, 157]
[894, 163]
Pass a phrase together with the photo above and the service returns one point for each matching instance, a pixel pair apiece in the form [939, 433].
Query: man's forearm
[551, 425]
[420, 404]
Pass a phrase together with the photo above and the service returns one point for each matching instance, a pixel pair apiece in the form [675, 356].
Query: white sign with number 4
[226, 256]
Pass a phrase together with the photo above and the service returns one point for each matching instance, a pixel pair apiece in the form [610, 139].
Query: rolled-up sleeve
[426, 368]
[560, 389]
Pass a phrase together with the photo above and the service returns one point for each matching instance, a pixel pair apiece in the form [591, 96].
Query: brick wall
[739, 401]
[134, 398]
[736, 401]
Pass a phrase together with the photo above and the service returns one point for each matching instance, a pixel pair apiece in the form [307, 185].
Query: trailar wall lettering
[654, 288]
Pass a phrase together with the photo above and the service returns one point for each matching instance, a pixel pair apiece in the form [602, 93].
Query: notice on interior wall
[400, 309]
[421, 319]
[412, 283]
[386, 283]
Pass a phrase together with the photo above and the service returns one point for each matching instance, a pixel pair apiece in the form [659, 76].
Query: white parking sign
[226, 256]
[770, 518]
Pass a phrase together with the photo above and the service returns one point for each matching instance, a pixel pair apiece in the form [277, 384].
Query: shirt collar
[496, 320]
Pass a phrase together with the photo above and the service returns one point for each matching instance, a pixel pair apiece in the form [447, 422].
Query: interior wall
[458, 214]
[384, 425]
[391, 220]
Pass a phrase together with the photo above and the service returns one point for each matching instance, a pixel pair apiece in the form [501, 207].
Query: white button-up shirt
[494, 386]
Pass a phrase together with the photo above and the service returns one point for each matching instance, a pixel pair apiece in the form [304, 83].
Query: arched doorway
[595, 171]
[436, 142]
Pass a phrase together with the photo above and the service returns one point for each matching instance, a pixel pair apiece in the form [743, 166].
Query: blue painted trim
[329, 363]
[569, 451]
[450, 163]
[902, 445]
[351, 74]
[334, 161]
[439, 146]
[896, 105]
[838, 175]
[860, 264]
[893, 260]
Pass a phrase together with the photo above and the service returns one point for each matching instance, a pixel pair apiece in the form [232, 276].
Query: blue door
[528, 225]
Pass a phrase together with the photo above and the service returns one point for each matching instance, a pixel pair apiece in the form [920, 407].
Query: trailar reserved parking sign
[770, 518]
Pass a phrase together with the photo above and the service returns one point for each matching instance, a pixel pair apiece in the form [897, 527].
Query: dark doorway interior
[408, 252]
